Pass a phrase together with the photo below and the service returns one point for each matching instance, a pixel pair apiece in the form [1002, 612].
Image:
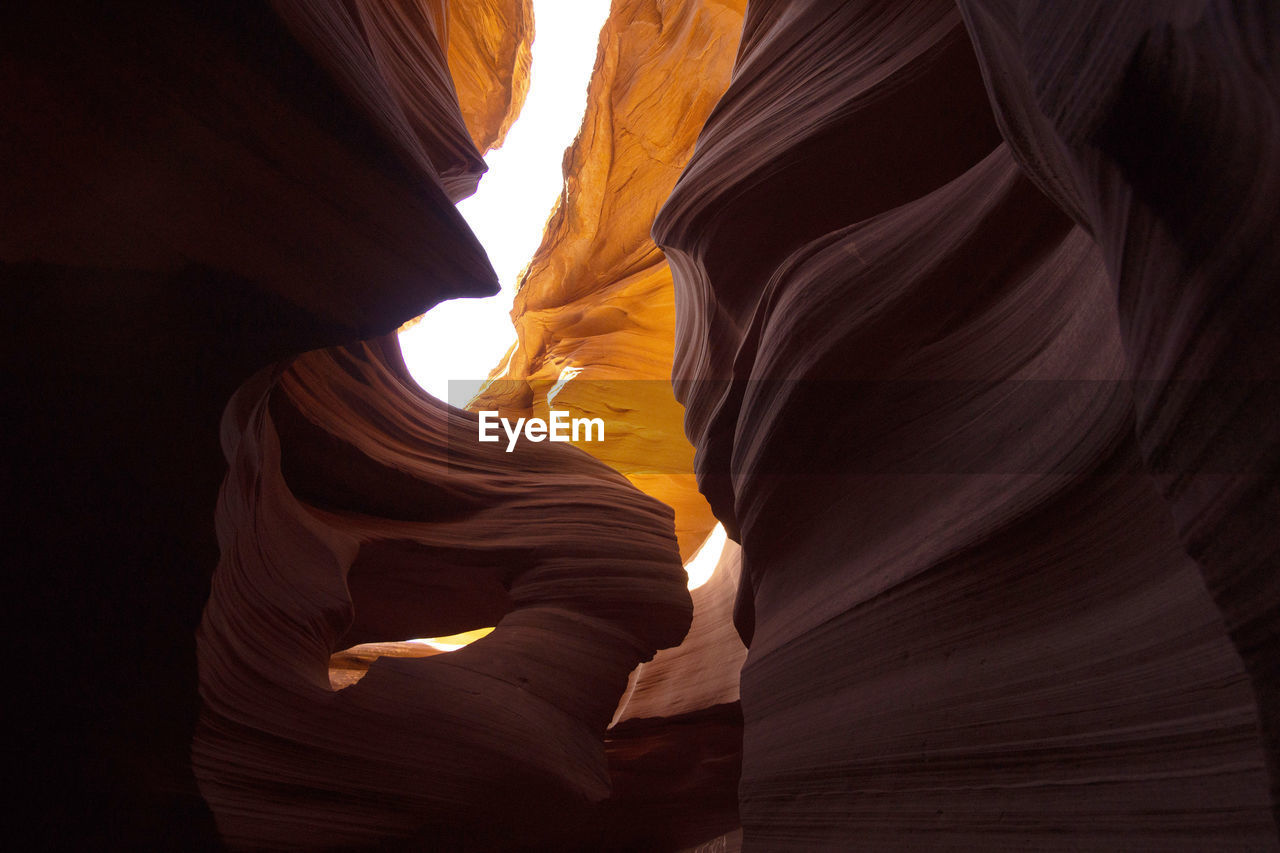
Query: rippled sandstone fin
[1163, 141]
[189, 197]
[971, 622]
[350, 490]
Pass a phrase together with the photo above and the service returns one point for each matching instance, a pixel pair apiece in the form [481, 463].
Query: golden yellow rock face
[489, 60]
[595, 309]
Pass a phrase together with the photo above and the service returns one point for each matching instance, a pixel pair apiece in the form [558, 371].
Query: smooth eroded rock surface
[190, 196]
[360, 509]
[971, 621]
[970, 313]
[1163, 140]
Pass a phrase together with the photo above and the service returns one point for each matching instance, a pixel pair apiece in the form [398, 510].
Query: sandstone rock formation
[594, 312]
[1164, 147]
[595, 318]
[360, 509]
[190, 197]
[974, 334]
[675, 744]
[971, 620]
[489, 52]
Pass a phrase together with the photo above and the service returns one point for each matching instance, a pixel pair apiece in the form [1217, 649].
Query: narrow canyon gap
[957, 317]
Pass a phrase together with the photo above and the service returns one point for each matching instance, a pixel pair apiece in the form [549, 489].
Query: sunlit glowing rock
[453, 642]
[489, 58]
[350, 665]
[703, 670]
[595, 312]
[702, 565]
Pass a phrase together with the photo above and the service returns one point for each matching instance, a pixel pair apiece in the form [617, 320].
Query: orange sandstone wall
[595, 306]
[489, 53]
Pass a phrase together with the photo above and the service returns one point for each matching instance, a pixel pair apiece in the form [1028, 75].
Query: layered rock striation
[194, 192]
[595, 317]
[971, 619]
[1162, 143]
[675, 744]
[974, 340]
[360, 509]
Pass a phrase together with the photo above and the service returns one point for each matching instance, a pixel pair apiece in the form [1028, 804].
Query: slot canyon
[939, 339]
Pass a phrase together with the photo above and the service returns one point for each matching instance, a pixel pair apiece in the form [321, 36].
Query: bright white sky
[702, 565]
[464, 339]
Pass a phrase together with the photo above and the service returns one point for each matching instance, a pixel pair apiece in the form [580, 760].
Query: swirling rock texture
[974, 334]
[675, 744]
[360, 509]
[595, 306]
[489, 56]
[399, 61]
[595, 318]
[190, 196]
[1164, 146]
[972, 620]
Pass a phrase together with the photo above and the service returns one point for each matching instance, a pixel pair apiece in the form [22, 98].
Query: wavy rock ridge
[975, 339]
[359, 509]
[194, 196]
[1164, 148]
[971, 618]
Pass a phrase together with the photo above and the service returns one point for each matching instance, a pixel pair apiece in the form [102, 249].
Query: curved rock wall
[1164, 146]
[675, 744]
[189, 198]
[971, 621]
[595, 305]
[490, 43]
[595, 318]
[702, 671]
[989, 404]
[360, 509]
